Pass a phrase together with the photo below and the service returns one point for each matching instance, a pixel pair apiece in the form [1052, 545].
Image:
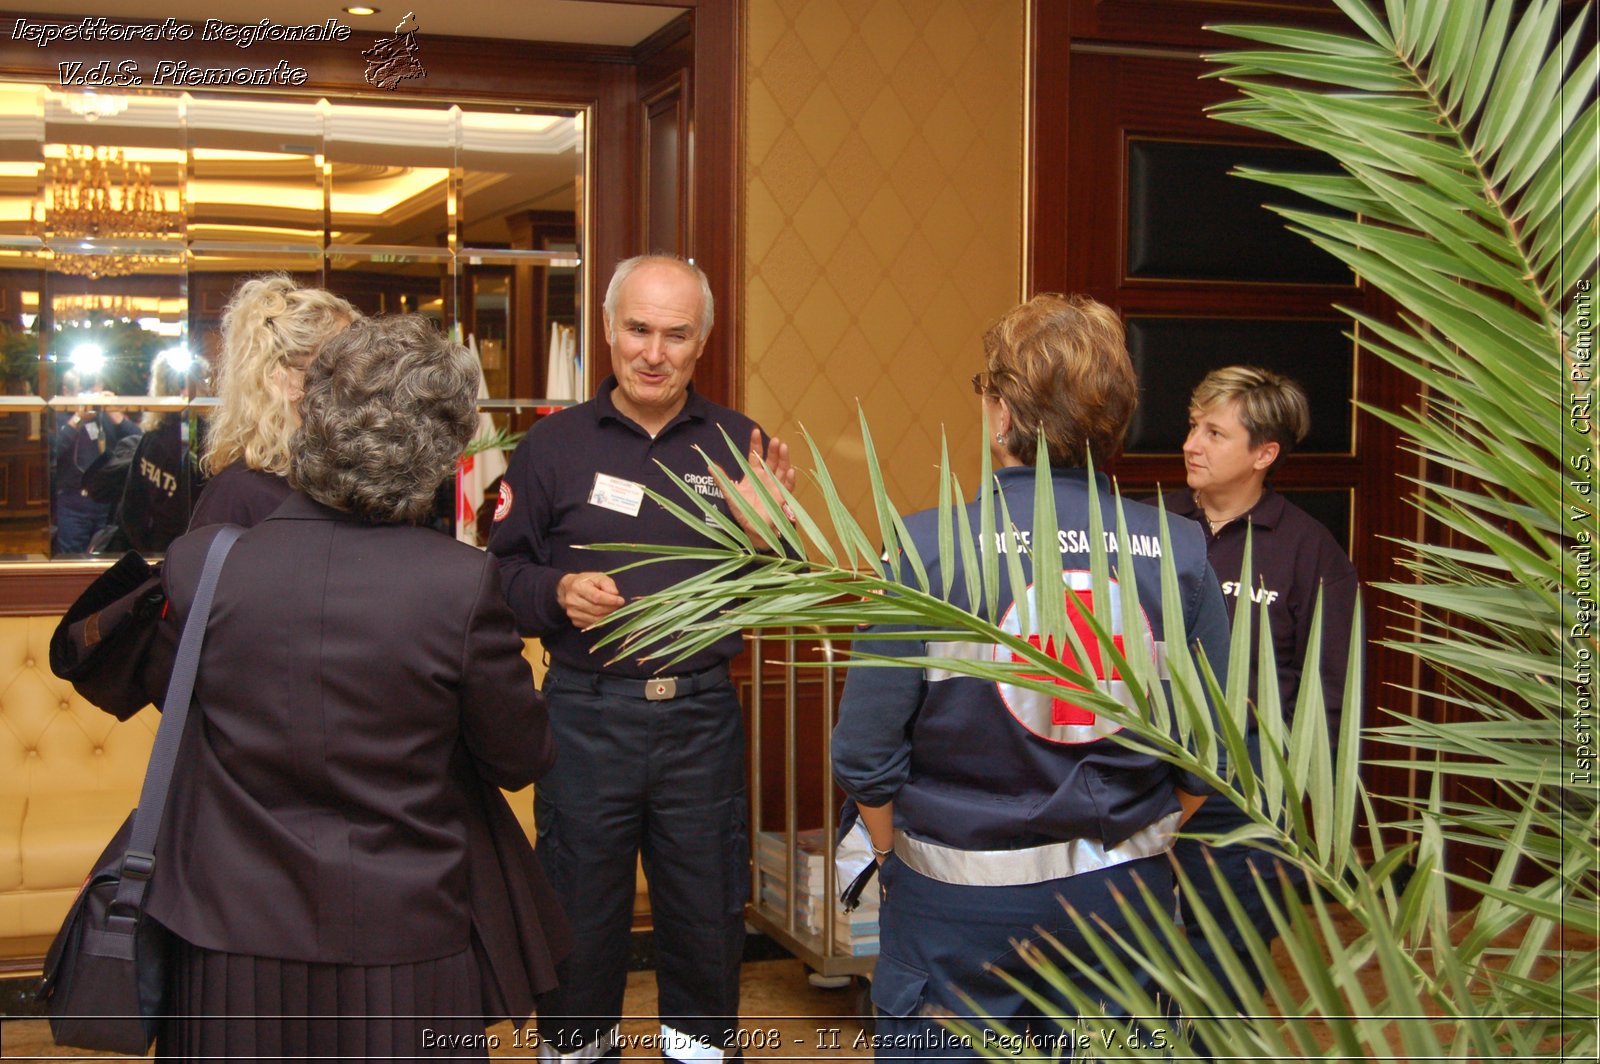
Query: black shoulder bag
[106, 973]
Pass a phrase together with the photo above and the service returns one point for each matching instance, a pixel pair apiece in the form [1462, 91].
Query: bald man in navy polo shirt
[647, 766]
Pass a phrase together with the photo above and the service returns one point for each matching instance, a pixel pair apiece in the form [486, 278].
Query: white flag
[474, 473]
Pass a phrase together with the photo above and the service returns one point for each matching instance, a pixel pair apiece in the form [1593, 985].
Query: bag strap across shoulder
[139, 862]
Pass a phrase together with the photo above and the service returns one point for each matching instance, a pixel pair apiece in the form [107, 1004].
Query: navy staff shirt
[1293, 556]
[572, 481]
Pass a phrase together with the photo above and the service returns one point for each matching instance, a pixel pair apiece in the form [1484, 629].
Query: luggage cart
[821, 953]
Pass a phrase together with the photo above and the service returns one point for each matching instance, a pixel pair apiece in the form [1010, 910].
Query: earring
[999, 437]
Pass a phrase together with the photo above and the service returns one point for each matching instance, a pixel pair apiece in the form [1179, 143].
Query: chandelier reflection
[96, 194]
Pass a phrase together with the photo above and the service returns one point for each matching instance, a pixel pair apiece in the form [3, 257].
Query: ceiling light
[97, 194]
[360, 9]
[88, 359]
[178, 358]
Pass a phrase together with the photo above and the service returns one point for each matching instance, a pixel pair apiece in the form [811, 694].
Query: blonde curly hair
[175, 374]
[270, 327]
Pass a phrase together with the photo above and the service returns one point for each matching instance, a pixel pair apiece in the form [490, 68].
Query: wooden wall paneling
[666, 65]
[715, 158]
[780, 764]
[12, 285]
[40, 589]
[1385, 492]
[24, 476]
[665, 178]
[530, 286]
[611, 197]
[1048, 148]
[36, 482]
[1154, 23]
[1130, 73]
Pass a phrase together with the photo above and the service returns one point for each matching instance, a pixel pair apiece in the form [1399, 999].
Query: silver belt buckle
[661, 689]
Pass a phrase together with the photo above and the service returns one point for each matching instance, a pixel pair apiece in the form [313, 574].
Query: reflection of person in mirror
[165, 474]
[81, 437]
[650, 766]
[271, 330]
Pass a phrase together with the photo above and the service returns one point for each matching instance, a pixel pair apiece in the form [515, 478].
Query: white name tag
[614, 493]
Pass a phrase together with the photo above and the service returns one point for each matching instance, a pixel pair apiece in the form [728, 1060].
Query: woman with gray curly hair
[389, 406]
[363, 696]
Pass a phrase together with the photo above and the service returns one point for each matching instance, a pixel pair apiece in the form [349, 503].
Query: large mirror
[126, 221]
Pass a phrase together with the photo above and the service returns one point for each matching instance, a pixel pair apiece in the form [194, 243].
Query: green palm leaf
[1466, 135]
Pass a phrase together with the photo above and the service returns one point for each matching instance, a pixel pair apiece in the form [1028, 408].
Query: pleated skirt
[230, 1006]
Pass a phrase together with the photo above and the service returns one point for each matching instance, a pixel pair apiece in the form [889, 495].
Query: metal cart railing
[821, 952]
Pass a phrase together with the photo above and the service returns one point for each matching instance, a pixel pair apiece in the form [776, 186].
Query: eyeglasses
[980, 384]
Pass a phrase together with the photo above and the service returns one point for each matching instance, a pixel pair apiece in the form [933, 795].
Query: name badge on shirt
[614, 493]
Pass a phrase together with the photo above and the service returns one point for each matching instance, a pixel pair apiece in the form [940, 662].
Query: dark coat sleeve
[503, 720]
[1206, 624]
[872, 741]
[1338, 584]
[519, 541]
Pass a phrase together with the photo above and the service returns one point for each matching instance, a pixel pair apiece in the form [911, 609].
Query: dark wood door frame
[1071, 247]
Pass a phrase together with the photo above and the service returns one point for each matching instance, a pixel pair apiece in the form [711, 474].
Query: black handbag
[101, 643]
[106, 972]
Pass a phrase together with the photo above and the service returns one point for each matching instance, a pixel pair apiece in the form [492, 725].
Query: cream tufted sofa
[69, 774]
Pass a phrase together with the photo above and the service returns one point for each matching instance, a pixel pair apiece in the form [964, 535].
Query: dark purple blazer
[356, 680]
[239, 495]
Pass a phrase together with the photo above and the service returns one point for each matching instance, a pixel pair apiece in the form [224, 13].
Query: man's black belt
[652, 689]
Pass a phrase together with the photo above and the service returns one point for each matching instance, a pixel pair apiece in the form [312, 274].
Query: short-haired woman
[271, 330]
[360, 678]
[988, 804]
[1243, 422]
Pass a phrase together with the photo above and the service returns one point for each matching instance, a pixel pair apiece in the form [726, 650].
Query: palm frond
[1465, 133]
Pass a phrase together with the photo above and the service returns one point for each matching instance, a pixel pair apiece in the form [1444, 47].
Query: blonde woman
[321, 841]
[271, 330]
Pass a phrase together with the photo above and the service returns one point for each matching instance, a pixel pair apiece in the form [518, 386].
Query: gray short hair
[389, 406]
[625, 270]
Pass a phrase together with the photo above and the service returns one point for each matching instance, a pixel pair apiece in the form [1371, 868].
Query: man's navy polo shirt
[545, 515]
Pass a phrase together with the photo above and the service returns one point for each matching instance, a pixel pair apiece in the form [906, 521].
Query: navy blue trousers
[78, 518]
[940, 940]
[662, 781]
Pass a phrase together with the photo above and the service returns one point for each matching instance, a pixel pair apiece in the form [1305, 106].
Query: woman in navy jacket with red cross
[989, 805]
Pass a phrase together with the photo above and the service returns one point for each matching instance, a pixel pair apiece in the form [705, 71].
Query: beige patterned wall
[883, 223]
